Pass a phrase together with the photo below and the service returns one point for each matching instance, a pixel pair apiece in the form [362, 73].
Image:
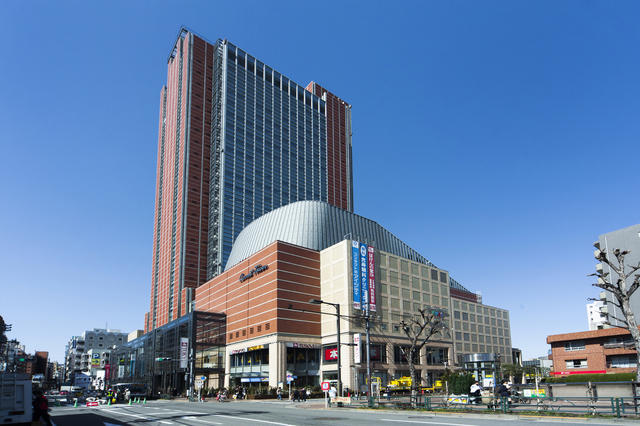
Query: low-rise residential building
[608, 350]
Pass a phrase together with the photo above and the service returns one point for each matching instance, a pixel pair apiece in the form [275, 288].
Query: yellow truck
[404, 383]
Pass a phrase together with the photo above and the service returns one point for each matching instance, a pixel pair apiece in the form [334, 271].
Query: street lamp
[337, 306]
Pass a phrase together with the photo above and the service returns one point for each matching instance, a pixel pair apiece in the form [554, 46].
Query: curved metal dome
[315, 225]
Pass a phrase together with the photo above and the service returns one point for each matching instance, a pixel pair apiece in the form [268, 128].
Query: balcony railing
[617, 345]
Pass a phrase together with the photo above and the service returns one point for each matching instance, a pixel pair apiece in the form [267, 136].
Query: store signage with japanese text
[363, 281]
[355, 260]
[364, 276]
[371, 267]
[331, 354]
[184, 351]
[356, 348]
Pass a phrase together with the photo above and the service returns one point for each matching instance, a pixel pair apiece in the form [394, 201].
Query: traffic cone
[75, 404]
[129, 401]
[109, 401]
[144, 401]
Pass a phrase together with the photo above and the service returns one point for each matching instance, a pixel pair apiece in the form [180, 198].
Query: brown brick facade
[597, 347]
[338, 149]
[260, 305]
[182, 184]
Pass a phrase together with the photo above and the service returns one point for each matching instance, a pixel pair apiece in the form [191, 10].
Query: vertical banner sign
[356, 348]
[372, 279]
[355, 260]
[184, 350]
[364, 277]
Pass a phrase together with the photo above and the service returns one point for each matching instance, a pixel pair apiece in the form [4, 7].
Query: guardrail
[584, 406]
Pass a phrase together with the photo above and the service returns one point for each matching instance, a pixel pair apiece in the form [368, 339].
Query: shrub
[584, 378]
[459, 383]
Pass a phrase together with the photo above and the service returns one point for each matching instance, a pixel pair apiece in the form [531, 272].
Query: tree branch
[634, 285]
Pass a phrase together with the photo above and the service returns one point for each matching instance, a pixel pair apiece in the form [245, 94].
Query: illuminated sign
[255, 271]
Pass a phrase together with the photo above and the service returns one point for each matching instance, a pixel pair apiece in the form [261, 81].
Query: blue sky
[499, 139]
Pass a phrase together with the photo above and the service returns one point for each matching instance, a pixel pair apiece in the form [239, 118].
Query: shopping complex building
[310, 250]
[254, 220]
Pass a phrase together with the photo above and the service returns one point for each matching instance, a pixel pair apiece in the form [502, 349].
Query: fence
[585, 406]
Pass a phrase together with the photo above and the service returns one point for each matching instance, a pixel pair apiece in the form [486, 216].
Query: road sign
[92, 403]
[291, 378]
[325, 386]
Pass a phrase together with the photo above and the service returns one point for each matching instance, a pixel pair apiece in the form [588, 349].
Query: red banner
[568, 373]
[372, 278]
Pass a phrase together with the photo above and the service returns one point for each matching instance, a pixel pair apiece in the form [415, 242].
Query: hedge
[583, 378]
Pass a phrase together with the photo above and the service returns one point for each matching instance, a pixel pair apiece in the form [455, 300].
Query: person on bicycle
[474, 392]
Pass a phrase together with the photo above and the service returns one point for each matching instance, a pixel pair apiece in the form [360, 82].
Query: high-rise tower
[237, 139]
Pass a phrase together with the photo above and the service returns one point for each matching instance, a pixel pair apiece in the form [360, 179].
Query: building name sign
[255, 271]
[243, 350]
[302, 345]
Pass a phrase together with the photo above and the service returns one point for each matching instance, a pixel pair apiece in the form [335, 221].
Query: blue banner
[364, 277]
[355, 261]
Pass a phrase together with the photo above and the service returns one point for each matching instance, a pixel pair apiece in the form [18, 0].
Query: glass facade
[270, 149]
[154, 359]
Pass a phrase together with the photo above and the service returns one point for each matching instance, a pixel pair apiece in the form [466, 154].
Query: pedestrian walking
[332, 394]
[279, 394]
[41, 408]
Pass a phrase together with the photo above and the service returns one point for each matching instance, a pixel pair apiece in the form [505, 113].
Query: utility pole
[368, 327]
[337, 306]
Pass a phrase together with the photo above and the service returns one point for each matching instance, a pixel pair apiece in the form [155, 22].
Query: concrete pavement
[285, 413]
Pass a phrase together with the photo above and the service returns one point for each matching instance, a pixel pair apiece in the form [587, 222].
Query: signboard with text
[371, 267]
[356, 348]
[184, 351]
[331, 354]
[363, 280]
[355, 266]
[364, 276]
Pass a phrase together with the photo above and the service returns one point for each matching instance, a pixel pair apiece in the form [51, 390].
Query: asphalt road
[282, 413]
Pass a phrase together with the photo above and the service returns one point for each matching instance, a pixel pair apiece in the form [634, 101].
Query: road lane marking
[165, 423]
[425, 422]
[252, 420]
[132, 415]
[194, 419]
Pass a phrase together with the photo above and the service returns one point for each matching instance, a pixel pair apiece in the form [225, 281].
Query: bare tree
[622, 286]
[420, 328]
